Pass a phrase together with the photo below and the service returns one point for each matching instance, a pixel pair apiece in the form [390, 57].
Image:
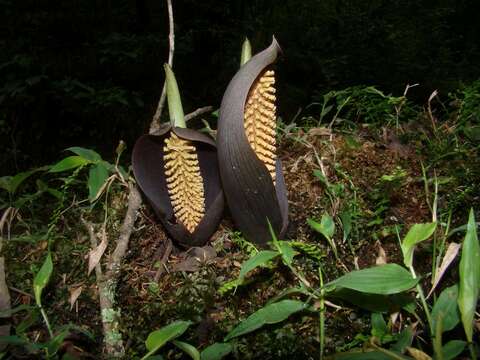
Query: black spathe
[149, 171]
[251, 195]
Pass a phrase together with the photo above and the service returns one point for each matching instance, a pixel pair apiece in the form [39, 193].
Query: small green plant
[158, 338]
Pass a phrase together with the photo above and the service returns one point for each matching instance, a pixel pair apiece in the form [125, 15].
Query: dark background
[89, 73]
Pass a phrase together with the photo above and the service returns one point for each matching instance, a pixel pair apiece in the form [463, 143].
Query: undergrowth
[374, 182]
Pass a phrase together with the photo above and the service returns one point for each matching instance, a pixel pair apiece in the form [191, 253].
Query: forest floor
[368, 176]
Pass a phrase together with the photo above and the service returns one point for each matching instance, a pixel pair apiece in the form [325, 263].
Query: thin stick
[14, 289]
[134, 203]
[155, 124]
[114, 347]
[198, 112]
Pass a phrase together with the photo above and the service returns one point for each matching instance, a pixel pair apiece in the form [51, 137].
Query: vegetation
[380, 259]
[362, 193]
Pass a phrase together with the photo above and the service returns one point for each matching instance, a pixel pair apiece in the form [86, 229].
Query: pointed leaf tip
[246, 51]
[175, 108]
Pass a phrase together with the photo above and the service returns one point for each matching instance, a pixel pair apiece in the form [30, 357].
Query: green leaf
[270, 314]
[283, 247]
[416, 234]
[15, 181]
[158, 338]
[56, 342]
[374, 302]
[11, 183]
[289, 291]
[190, 350]
[404, 340]
[42, 278]
[10, 312]
[259, 259]
[445, 309]
[384, 280]
[379, 326]
[13, 340]
[69, 163]
[87, 154]
[175, 108]
[216, 351]
[97, 176]
[346, 218]
[287, 252]
[469, 277]
[452, 349]
[368, 355]
[326, 227]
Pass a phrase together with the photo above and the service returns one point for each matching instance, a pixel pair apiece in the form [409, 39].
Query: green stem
[47, 323]
[150, 353]
[322, 314]
[473, 353]
[424, 304]
[175, 108]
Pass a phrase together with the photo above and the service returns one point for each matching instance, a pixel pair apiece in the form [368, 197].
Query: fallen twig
[107, 283]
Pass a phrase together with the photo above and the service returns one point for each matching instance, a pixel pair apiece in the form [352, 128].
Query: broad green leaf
[469, 277]
[445, 309]
[374, 302]
[259, 259]
[452, 349]
[384, 280]
[190, 350]
[416, 234]
[216, 351]
[270, 314]
[97, 176]
[42, 278]
[87, 154]
[69, 163]
[158, 338]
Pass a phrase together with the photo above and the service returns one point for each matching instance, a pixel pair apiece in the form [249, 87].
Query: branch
[155, 124]
[198, 112]
[134, 203]
[114, 347]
